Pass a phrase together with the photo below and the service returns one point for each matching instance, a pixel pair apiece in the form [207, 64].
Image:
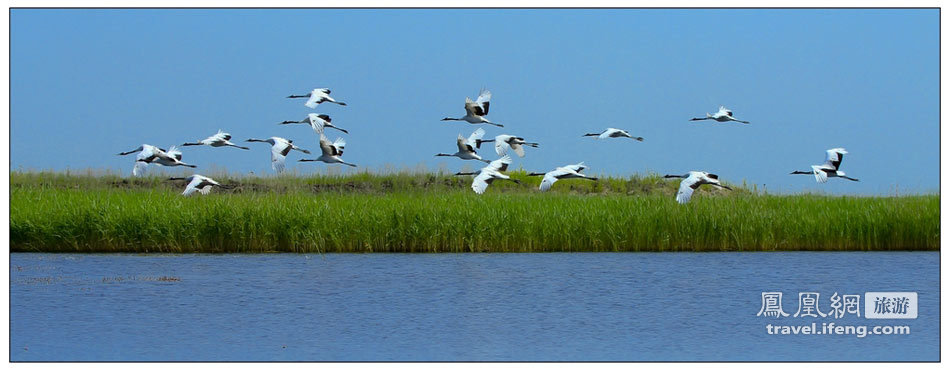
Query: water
[455, 307]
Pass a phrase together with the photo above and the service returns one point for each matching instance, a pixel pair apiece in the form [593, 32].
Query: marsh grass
[422, 212]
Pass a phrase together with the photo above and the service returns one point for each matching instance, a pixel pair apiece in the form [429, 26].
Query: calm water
[455, 307]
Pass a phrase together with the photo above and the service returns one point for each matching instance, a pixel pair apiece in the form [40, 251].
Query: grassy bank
[434, 213]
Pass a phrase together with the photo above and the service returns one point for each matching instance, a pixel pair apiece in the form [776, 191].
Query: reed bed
[438, 213]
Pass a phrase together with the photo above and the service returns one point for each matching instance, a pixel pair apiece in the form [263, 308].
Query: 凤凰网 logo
[877, 305]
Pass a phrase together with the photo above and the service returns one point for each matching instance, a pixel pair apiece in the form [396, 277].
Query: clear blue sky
[92, 83]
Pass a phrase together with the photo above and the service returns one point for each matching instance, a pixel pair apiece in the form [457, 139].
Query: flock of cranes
[475, 112]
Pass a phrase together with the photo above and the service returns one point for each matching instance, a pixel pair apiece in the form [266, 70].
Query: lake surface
[458, 307]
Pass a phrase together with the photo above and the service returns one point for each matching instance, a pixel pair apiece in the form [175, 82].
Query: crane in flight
[614, 132]
[571, 171]
[723, 115]
[475, 111]
[317, 96]
[280, 147]
[828, 169]
[692, 181]
[217, 140]
[331, 151]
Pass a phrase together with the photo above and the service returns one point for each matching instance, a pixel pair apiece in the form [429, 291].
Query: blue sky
[92, 83]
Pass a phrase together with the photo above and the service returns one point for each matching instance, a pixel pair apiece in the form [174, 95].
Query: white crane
[504, 142]
[331, 152]
[475, 111]
[145, 151]
[201, 184]
[500, 165]
[169, 158]
[614, 132]
[571, 171]
[723, 115]
[486, 175]
[217, 140]
[280, 147]
[466, 147]
[828, 169]
[317, 96]
[692, 181]
[317, 122]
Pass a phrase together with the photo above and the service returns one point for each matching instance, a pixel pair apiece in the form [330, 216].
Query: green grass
[420, 212]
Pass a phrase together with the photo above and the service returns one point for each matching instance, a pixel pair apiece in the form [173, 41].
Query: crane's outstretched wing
[463, 145]
[576, 167]
[315, 99]
[518, 148]
[834, 157]
[221, 136]
[501, 144]
[500, 164]
[820, 175]
[317, 123]
[475, 137]
[278, 155]
[325, 146]
[481, 182]
[551, 177]
[192, 186]
[139, 168]
[482, 102]
[317, 96]
[173, 152]
[205, 185]
[686, 189]
[338, 145]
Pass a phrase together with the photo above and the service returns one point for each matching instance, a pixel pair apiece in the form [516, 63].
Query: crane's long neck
[675, 176]
[132, 151]
[536, 174]
[191, 144]
[802, 173]
[299, 96]
[444, 155]
[591, 134]
[452, 119]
